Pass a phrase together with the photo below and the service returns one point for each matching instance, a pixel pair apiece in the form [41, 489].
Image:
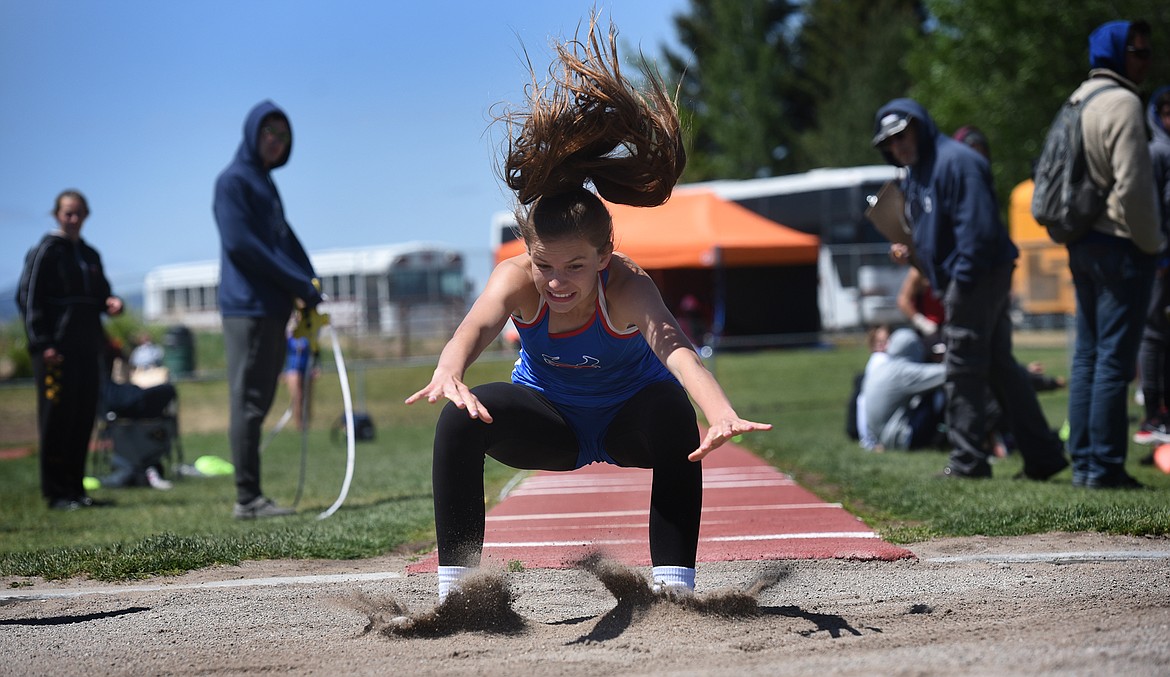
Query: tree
[773, 87]
[1006, 66]
[740, 96]
[853, 54]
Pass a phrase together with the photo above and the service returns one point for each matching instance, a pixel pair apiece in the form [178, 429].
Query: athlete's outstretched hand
[723, 430]
[453, 388]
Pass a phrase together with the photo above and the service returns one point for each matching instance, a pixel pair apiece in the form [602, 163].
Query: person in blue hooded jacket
[1154, 355]
[963, 248]
[264, 274]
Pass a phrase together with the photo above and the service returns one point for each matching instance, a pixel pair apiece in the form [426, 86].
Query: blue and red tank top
[596, 365]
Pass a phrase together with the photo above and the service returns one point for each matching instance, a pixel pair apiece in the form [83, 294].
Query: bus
[858, 284]
[415, 288]
[1042, 285]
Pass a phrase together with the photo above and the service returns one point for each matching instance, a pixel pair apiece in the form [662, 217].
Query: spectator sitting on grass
[903, 396]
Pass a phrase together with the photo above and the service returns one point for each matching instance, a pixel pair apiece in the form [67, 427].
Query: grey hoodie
[890, 387]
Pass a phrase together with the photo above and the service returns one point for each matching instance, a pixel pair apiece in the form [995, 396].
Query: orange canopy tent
[722, 268]
[698, 229]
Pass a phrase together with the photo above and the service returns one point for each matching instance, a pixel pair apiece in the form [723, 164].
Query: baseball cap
[891, 124]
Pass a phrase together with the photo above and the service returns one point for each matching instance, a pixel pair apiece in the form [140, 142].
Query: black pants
[980, 364]
[254, 347]
[67, 397]
[655, 429]
[1152, 357]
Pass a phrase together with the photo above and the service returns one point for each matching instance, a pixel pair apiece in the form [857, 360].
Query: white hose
[350, 440]
[277, 428]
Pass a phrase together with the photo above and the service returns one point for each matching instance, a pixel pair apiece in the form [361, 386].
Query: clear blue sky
[141, 103]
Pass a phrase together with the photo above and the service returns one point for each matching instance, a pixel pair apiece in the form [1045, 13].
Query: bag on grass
[1065, 200]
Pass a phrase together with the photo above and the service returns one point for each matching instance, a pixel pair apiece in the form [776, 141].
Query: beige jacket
[1117, 153]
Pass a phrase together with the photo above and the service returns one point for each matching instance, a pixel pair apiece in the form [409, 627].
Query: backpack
[1065, 200]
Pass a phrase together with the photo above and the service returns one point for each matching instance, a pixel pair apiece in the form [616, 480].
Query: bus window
[451, 284]
[408, 285]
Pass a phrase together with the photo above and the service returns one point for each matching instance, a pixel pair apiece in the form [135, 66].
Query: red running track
[751, 511]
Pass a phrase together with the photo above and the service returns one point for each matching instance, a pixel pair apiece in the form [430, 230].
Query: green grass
[897, 493]
[802, 392]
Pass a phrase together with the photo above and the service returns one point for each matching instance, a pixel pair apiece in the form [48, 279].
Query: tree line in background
[773, 87]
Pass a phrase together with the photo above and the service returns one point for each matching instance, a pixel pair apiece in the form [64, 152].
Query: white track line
[237, 583]
[791, 537]
[714, 539]
[1054, 557]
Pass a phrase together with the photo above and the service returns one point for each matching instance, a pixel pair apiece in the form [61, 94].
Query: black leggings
[655, 429]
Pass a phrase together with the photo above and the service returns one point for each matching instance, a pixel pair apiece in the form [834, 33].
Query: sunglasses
[279, 135]
[1142, 53]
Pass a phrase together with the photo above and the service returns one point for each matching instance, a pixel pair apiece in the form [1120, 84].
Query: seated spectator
[903, 397]
[1042, 381]
[924, 310]
[120, 399]
[147, 354]
[876, 338]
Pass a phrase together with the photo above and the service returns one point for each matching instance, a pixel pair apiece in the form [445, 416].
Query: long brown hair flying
[588, 124]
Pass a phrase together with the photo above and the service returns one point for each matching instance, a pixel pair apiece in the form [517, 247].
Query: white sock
[677, 578]
[449, 579]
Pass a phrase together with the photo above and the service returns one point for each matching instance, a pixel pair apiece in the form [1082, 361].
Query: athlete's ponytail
[588, 125]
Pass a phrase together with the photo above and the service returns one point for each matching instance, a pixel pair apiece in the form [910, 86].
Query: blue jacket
[1160, 158]
[951, 204]
[263, 266]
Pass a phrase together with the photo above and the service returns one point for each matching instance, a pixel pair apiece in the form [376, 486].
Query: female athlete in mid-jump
[604, 370]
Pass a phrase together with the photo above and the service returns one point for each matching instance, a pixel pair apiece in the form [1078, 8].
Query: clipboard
[887, 211]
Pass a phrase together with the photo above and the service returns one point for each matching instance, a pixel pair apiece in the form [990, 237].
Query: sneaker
[1124, 481]
[77, 503]
[1042, 473]
[977, 474]
[669, 591]
[1152, 431]
[258, 507]
[155, 479]
[67, 504]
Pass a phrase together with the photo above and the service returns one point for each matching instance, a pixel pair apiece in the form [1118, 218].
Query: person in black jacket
[62, 294]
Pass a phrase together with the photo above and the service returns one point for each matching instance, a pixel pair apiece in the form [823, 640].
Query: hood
[1153, 120]
[248, 152]
[1107, 47]
[904, 343]
[927, 129]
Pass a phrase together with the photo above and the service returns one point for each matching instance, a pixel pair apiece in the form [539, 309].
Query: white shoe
[156, 480]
